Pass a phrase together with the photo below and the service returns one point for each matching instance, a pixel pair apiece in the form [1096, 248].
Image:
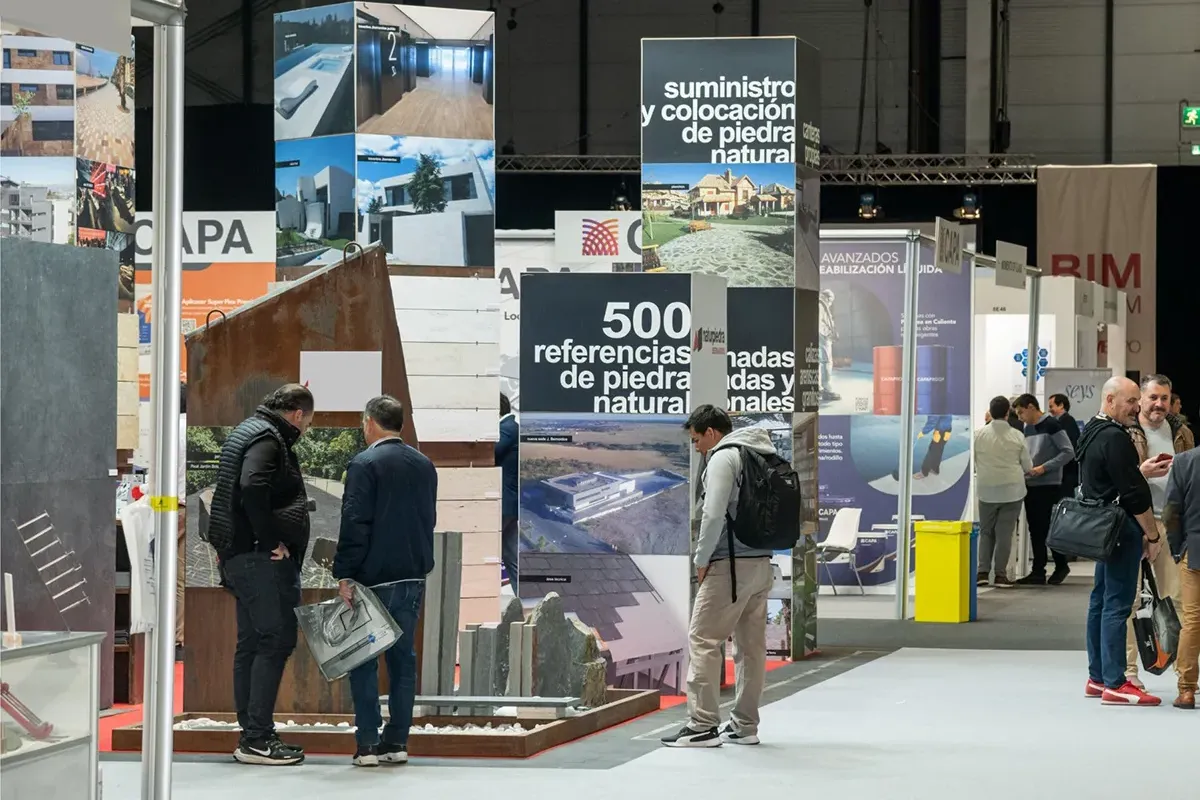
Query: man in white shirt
[1001, 463]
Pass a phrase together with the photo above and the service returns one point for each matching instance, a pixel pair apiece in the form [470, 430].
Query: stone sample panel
[58, 343]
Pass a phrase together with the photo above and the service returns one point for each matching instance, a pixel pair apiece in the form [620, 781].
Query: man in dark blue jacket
[389, 508]
[507, 458]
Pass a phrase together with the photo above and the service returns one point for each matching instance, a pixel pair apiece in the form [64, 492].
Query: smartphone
[1164, 457]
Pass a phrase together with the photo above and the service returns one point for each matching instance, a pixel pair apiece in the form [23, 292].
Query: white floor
[919, 724]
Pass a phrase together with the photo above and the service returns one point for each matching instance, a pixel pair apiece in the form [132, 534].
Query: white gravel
[206, 724]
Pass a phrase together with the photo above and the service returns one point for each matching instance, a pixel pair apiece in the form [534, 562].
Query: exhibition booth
[382, 273]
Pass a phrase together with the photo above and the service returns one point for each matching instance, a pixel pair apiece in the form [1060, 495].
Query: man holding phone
[1158, 435]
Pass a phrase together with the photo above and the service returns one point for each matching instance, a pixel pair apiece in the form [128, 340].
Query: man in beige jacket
[1158, 436]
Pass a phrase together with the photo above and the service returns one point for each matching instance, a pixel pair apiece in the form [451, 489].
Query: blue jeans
[1111, 604]
[403, 602]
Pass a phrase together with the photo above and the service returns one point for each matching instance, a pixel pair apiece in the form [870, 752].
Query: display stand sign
[1083, 387]
[948, 246]
[731, 186]
[1085, 298]
[1010, 265]
[1112, 299]
[611, 366]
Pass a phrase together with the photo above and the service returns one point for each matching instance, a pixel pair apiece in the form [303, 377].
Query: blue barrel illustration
[933, 379]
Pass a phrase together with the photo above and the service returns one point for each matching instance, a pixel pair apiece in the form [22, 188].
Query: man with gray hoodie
[719, 611]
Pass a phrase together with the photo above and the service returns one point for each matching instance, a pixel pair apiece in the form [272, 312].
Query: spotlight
[867, 207]
[621, 198]
[512, 19]
[970, 210]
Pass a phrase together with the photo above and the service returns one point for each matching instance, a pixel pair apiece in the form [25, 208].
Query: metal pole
[1035, 314]
[908, 385]
[164, 374]
[150, 649]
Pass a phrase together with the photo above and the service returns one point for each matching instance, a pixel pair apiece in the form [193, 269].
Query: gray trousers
[997, 526]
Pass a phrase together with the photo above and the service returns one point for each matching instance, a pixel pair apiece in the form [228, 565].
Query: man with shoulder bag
[1115, 514]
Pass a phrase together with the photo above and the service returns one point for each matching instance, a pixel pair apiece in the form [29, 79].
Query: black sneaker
[1032, 580]
[367, 755]
[1002, 582]
[981, 579]
[691, 738]
[729, 735]
[295, 748]
[266, 752]
[393, 753]
[1058, 576]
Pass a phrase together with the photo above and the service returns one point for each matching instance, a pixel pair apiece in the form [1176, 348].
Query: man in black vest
[261, 508]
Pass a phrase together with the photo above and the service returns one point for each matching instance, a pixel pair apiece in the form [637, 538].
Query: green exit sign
[1191, 116]
[1196, 149]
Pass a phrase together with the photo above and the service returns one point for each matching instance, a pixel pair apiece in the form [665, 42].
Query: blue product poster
[860, 311]
[861, 392]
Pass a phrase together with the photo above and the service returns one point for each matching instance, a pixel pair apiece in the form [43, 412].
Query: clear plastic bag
[342, 637]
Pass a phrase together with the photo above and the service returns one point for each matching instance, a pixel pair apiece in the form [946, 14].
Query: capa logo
[601, 237]
[708, 336]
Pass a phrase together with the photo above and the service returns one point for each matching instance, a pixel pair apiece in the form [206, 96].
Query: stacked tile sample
[127, 382]
[450, 327]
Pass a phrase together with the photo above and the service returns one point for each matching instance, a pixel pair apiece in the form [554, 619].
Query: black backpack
[769, 509]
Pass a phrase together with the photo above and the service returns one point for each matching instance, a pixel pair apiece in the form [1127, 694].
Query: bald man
[1109, 471]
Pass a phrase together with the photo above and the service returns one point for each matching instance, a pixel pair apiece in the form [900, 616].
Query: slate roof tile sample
[600, 591]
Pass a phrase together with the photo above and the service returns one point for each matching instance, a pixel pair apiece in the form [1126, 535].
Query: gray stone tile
[58, 345]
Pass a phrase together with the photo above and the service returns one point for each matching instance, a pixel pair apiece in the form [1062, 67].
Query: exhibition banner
[228, 261]
[861, 347]
[731, 186]
[1099, 223]
[611, 365]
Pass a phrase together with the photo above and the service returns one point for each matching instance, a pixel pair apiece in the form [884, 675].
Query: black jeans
[267, 594]
[510, 550]
[1039, 503]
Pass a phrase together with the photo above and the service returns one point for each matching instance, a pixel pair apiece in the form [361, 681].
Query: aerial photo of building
[604, 484]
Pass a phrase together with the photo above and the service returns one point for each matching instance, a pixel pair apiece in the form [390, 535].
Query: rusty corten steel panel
[234, 362]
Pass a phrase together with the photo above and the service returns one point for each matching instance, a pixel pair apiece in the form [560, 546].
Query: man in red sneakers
[1109, 471]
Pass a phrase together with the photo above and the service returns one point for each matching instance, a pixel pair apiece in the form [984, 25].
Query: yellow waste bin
[943, 574]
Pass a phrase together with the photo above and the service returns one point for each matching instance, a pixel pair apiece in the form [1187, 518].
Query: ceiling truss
[837, 170]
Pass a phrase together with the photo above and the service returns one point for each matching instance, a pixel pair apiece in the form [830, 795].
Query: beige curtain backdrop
[1099, 223]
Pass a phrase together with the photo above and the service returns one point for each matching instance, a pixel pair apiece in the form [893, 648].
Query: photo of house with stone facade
[737, 221]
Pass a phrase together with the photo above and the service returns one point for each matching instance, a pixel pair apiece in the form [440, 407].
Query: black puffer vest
[229, 531]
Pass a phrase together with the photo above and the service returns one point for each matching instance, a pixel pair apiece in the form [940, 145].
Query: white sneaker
[729, 735]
